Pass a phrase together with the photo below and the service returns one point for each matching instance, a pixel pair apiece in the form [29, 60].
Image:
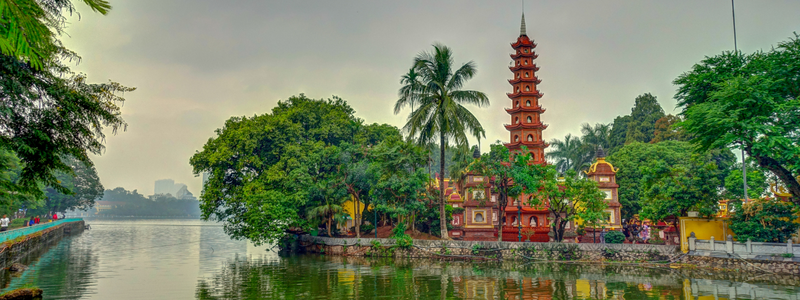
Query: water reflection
[315, 277]
[190, 259]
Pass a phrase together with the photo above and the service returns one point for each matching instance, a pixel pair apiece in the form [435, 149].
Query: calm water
[190, 259]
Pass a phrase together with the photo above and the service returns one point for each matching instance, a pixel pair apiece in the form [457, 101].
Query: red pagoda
[525, 130]
[526, 126]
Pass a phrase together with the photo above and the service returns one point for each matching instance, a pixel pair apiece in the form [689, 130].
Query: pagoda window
[516, 90]
[526, 62]
[530, 138]
[526, 50]
[534, 222]
[527, 88]
[516, 103]
[516, 120]
[526, 75]
[518, 75]
[529, 119]
[528, 103]
[516, 138]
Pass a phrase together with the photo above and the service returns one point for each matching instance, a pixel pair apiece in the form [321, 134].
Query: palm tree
[327, 212]
[597, 136]
[569, 154]
[440, 115]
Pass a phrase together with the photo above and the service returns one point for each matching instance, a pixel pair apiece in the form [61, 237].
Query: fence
[746, 250]
[15, 233]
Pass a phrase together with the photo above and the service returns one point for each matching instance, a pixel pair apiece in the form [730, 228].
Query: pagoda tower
[526, 126]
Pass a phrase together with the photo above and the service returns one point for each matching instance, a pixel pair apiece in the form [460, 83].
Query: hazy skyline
[197, 63]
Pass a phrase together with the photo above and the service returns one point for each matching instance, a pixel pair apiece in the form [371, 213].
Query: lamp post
[736, 50]
[519, 221]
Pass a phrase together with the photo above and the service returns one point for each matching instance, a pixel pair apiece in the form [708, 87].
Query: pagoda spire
[522, 29]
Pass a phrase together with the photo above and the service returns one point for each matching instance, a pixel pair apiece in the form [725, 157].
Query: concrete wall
[12, 252]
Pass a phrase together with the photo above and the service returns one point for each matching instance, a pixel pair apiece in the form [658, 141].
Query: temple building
[480, 215]
[605, 175]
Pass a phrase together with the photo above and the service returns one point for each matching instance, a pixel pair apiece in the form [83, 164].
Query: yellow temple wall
[703, 229]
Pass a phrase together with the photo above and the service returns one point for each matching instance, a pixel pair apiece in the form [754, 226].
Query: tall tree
[568, 199]
[84, 188]
[440, 116]
[665, 163]
[51, 113]
[569, 154]
[402, 180]
[646, 111]
[596, 136]
[748, 101]
[618, 134]
[269, 170]
[666, 129]
[498, 168]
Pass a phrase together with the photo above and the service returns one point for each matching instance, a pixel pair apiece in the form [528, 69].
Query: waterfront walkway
[20, 232]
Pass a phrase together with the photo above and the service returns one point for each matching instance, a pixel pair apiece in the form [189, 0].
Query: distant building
[164, 186]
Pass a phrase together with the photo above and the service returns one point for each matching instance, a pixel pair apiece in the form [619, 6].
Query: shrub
[366, 228]
[764, 221]
[614, 237]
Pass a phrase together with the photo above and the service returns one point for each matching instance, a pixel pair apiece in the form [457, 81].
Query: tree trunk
[357, 219]
[442, 213]
[782, 173]
[501, 205]
[329, 226]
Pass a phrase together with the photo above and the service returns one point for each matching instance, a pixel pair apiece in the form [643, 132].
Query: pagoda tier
[523, 79]
[521, 125]
[524, 67]
[523, 41]
[523, 54]
[530, 145]
[536, 94]
[537, 109]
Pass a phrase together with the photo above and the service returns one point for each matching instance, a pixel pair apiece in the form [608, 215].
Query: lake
[192, 259]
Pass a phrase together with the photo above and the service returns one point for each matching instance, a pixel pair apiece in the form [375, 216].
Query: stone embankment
[662, 255]
[14, 250]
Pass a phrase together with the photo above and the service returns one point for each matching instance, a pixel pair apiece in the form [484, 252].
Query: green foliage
[787, 255]
[29, 29]
[646, 111]
[13, 194]
[402, 239]
[568, 199]
[577, 153]
[749, 101]
[614, 237]
[756, 182]
[365, 228]
[653, 168]
[765, 221]
[618, 134]
[84, 188]
[609, 253]
[433, 89]
[497, 167]
[667, 129]
[674, 189]
[268, 171]
[53, 113]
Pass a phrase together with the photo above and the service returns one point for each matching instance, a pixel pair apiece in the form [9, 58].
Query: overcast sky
[197, 63]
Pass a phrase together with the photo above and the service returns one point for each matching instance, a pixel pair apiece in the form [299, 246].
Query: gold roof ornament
[601, 159]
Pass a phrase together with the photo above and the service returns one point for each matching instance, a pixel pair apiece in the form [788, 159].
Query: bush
[764, 221]
[366, 228]
[614, 237]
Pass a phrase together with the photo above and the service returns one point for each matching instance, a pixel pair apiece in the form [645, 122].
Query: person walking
[36, 220]
[4, 223]
[55, 216]
[30, 222]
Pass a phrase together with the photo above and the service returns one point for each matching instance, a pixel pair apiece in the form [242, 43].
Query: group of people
[5, 221]
[636, 231]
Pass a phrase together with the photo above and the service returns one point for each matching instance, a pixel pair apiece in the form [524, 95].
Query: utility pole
[736, 50]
